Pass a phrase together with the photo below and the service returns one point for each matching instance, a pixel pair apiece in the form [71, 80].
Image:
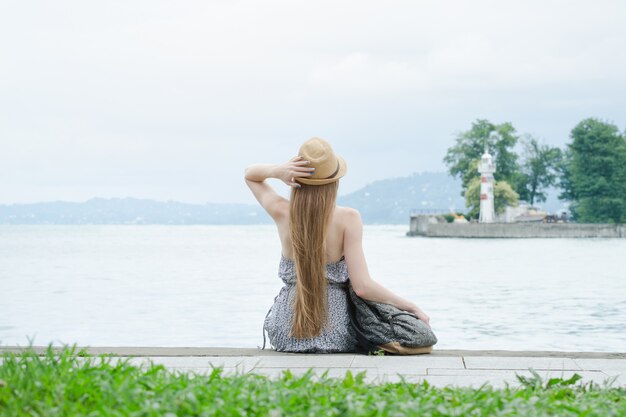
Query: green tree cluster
[591, 171]
[539, 170]
[594, 173]
[462, 158]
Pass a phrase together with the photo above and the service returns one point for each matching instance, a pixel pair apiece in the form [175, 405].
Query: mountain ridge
[386, 201]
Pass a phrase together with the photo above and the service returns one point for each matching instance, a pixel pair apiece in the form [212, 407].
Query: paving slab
[306, 361]
[195, 361]
[318, 372]
[511, 374]
[519, 362]
[620, 380]
[610, 366]
[473, 381]
[408, 364]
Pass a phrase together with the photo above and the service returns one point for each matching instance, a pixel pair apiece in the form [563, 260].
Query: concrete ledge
[228, 351]
[473, 368]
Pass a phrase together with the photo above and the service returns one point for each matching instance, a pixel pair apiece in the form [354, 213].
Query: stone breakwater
[427, 226]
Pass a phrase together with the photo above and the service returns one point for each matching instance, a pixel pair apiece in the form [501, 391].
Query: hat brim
[343, 168]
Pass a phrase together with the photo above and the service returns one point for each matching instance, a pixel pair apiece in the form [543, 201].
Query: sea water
[157, 285]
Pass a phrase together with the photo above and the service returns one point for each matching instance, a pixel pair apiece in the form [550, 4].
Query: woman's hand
[420, 314]
[296, 167]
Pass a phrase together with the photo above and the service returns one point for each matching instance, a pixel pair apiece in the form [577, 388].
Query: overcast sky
[171, 100]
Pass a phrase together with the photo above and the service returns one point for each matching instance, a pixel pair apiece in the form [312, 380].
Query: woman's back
[336, 336]
[334, 241]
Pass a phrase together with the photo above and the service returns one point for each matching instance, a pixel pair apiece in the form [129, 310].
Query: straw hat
[329, 166]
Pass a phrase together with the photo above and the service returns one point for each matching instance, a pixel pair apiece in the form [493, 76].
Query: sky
[172, 100]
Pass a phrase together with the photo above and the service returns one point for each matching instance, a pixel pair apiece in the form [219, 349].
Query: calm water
[212, 286]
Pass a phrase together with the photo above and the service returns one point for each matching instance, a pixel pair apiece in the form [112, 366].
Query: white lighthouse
[486, 167]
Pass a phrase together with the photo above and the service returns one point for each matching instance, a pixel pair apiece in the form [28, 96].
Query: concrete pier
[472, 368]
[428, 226]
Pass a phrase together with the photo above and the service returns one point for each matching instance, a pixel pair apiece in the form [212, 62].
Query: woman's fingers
[422, 316]
[304, 169]
[303, 166]
[301, 172]
[298, 167]
[301, 161]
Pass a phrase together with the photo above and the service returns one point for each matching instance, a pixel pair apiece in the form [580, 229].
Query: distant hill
[387, 201]
[390, 201]
[131, 211]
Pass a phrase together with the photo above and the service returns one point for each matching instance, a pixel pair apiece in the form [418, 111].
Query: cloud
[359, 72]
[96, 90]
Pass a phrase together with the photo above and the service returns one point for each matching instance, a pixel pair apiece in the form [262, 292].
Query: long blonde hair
[311, 208]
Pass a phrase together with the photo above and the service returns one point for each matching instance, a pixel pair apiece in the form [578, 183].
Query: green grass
[71, 383]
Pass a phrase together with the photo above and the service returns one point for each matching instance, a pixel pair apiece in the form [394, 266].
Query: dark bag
[383, 326]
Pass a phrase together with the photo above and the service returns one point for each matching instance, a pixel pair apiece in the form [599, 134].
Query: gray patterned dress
[337, 336]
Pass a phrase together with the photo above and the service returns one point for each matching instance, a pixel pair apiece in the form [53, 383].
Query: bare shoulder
[276, 206]
[348, 215]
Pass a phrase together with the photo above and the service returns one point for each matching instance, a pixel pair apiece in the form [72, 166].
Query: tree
[462, 158]
[503, 195]
[594, 173]
[539, 170]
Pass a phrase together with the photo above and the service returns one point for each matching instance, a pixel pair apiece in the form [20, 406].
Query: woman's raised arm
[268, 198]
[364, 286]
